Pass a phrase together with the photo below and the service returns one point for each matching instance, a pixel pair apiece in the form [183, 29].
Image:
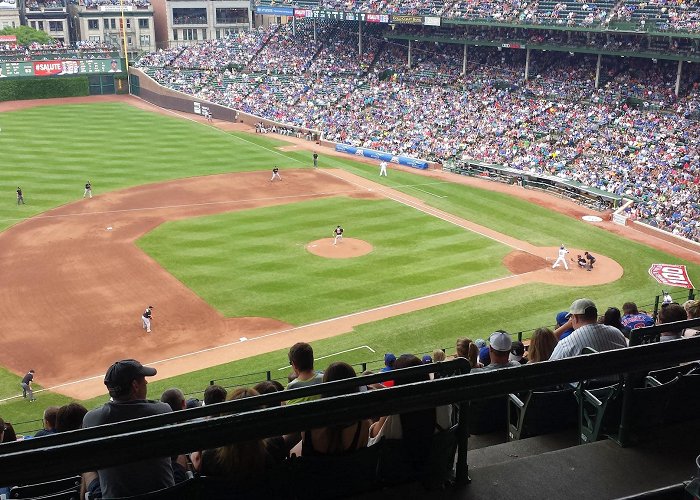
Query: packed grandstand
[631, 136]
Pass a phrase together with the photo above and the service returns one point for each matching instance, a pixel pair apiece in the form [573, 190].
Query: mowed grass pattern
[51, 151]
[254, 262]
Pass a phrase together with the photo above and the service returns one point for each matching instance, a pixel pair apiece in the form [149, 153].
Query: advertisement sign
[274, 11]
[377, 18]
[378, 155]
[512, 46]
[60, 67]
[301, 13]
[431, 21]
[401, 19]
[11, 39]
[116, 8]
[8, 4]
[671, 275]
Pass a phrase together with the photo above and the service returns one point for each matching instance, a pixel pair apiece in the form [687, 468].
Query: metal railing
[170, 434]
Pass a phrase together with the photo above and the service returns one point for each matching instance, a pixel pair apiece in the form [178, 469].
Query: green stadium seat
[540, 412]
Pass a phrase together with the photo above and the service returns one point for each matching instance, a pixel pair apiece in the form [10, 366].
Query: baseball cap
[484, 356]
[562, 317]
[480, 343]
[579, 306]
[500, 341]
[517, 349]
[427, 359]
[121, 373]
[389, 356]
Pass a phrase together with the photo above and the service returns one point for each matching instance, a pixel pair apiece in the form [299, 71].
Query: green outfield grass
[254, 262]
[51, 151]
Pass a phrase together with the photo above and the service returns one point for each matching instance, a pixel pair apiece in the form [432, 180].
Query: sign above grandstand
[11, 39]
[8, 4]
[274, 11]
[671, 275]
[60, 67]
[301, 13]
[375, 18]
[431, 21]
[116, 8]
[401, 19]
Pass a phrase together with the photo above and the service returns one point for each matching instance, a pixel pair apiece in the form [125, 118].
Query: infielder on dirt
[275, 174]
[146, 319]
[562, 258]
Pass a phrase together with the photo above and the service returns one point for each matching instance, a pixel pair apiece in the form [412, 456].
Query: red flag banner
[671, 275]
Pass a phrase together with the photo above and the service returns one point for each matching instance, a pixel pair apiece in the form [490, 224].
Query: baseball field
[185, 217]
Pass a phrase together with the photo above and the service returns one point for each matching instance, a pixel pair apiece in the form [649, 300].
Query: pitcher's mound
[345, 249]
[519, 262]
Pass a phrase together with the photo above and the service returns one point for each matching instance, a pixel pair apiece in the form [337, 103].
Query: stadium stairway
[553, 466]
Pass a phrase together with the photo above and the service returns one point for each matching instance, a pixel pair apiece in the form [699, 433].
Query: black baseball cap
[121, 373]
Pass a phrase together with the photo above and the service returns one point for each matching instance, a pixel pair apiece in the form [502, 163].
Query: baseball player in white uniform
[88, 189]
[276, 174]
[562, 258]
[382, 169]
[146, 319]
[338, 235]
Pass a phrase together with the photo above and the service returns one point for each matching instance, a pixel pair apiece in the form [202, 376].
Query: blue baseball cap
[389, 358]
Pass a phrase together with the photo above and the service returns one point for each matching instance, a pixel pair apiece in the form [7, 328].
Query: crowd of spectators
[631, 136]
[78, 50]
[245, 463]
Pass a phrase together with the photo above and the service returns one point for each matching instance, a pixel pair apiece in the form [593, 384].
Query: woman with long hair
[341, 438]
[542, 344]
[243, 462]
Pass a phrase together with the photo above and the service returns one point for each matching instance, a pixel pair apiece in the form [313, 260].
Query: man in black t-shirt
[27, 386]
[315, 157]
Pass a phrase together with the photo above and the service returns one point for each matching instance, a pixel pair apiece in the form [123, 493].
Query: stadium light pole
[124, 47]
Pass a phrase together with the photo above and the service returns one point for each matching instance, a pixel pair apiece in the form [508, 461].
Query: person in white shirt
[562, 258]
[382, 169]
[587, 332]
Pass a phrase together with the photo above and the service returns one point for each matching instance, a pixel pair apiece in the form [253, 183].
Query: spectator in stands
[542, 344]
[243, 463]
[4, 490]
[517, 352]
[692, 308]
[438, 355]
[193, 403]
[587, 332]
[174, 398]
[49, 422]
[301, 357]
[564, 328]
[341, 438]
[632, 318]
[70, 417]
[416, 427]
[468, 350]
[484, 357]
[670, 313]
[10, 436]
[613, 317]
[214, 394]
[127, 385]
[389, 362]
[269, 387]
[500, 344]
